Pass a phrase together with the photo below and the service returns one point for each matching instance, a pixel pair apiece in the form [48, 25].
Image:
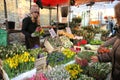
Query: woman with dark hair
[114, 55]
[29, 25]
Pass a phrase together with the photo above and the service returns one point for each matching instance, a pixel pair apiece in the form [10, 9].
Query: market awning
[54, 2]
[79, 2]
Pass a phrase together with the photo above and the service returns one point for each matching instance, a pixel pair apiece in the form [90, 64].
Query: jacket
[113, 56]
[28, 27]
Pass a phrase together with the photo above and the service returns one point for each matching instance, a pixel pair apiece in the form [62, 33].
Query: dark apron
[32, 42]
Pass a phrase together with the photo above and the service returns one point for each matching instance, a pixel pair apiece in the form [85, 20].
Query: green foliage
[75, 21]
[96, 42]
[99, 70]
[11, 50]
[18, 64]
[85, 77]
[57, 58]
[85, 55]
[35, 52]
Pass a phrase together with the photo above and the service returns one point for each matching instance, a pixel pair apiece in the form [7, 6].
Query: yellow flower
[26, 54]
[32, 59]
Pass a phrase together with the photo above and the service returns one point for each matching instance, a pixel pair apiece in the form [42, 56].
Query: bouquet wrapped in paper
[38, 32]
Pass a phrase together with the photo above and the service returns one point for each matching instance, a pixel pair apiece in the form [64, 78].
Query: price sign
[52, 33]
[68, 30]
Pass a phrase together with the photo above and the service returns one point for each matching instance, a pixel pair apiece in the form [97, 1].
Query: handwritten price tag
[52, 33]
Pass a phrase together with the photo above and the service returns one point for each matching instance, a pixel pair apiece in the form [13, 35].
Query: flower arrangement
[68, 52]
[85, 77]
[99, 71]
[11, 50]
[57, 73]
[74, 71]
[66, 42]
[82, 62]
[55, 58]
[18, 64]
[76, 21]
[55, 42]
[82, 42]
[58, 58]
[39, 31]
[85, 55]
[39, 76]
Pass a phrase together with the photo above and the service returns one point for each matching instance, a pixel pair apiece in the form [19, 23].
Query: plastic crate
[3, 37]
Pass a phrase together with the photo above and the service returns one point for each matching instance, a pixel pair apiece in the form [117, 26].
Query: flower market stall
[65, 56]
[69, 56]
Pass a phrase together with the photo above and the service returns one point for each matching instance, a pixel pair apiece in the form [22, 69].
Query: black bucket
[11, 25]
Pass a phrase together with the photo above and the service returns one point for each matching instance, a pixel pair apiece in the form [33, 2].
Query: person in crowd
[110, 27]
[29, 25]
[114, 55]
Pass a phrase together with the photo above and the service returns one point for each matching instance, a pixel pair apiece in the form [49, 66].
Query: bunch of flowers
[74, 71]
[66, 42]
[57, 73]
[58, 58]
[55, 58]
[11, 50]
[18, 64]
[68, 52]
[85, 77]
[39, 31]
[82, 42]
[39, 76]
[99, 71]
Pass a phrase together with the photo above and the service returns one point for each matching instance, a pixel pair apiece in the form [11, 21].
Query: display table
[27, 74]
[13, 31]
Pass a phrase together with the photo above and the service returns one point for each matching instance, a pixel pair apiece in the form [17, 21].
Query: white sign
[97, 37]
[52, 33]
[68, 30]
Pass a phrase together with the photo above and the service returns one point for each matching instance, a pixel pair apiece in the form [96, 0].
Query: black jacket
[28, 27]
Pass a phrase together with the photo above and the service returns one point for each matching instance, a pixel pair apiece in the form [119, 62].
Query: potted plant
[76, 21]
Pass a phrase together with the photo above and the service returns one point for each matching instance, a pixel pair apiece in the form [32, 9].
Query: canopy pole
[57, 17]
[50, 12]
[6, 20]
[69, 14]
[30, 4]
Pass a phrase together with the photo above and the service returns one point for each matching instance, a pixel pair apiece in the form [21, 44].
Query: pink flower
[38, 29]
[32, 78]
[39, 76]
[42, 77]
